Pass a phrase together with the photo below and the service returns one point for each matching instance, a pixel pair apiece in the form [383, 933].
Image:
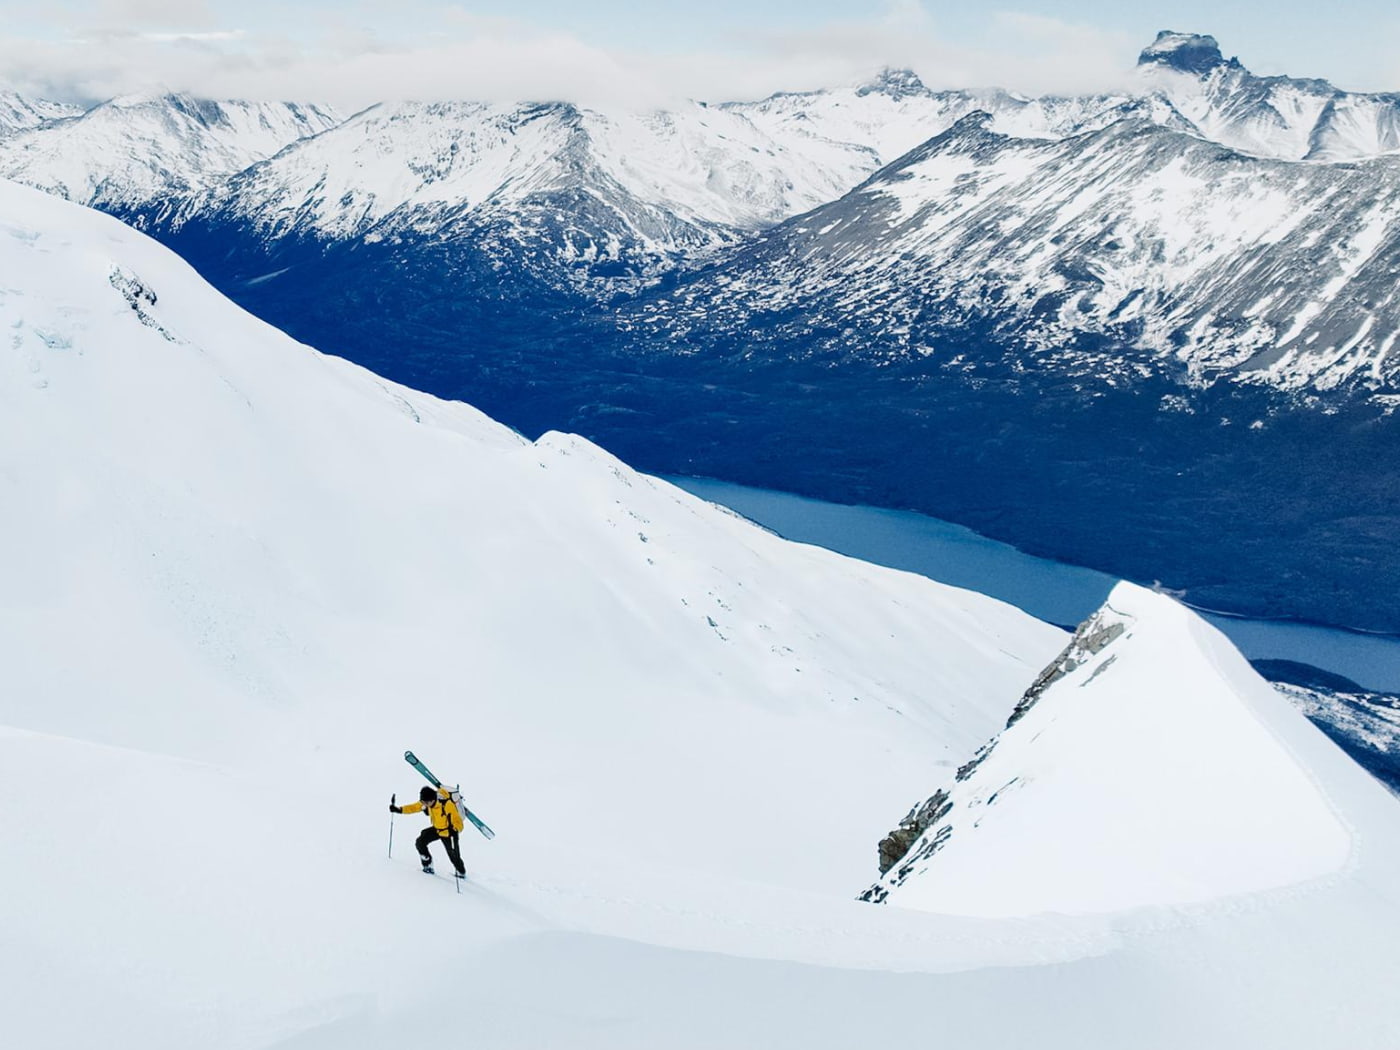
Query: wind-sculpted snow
[1178, 256]
[139, 151]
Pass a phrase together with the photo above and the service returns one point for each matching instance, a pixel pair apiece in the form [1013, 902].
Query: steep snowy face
[1148, 764]
[18, 112]
[1192, 261]
[1279, 117]
[218, 542]
[137, 151]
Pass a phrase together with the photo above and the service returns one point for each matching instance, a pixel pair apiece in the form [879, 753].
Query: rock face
[1185, 52]
[1091, 637]
[918, 820]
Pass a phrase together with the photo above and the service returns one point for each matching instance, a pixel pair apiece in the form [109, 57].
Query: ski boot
[427, 869]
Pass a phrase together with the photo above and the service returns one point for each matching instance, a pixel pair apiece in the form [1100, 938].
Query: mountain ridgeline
[1151, 331]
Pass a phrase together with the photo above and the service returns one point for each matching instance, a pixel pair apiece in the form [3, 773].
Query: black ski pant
[449, 843]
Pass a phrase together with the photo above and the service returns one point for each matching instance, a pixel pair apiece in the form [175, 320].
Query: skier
[446, 823]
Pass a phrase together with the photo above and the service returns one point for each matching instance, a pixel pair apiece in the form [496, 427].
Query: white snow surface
[241, 577]
[1154, 773]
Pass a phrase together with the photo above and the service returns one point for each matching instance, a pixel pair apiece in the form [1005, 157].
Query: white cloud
[142, 45]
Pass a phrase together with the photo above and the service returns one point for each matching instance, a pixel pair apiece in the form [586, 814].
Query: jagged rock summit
[897, 83]
[1186, 52]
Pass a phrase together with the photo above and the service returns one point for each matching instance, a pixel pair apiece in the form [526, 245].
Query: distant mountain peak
[897, 83]
[1186, 52]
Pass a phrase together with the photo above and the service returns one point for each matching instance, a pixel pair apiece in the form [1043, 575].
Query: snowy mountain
[1279, 117]
[243, 576]
[576, 198]
[1098, 256]
[18, 112]
[294, 554]
[135, 152]
[699, 167]
[1024, 281]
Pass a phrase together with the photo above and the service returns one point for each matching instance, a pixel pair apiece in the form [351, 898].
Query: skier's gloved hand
[395, 809]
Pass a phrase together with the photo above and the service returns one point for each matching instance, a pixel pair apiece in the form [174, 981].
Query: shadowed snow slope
[238, 578]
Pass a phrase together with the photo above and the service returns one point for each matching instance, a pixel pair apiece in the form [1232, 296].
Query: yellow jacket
[443, 813]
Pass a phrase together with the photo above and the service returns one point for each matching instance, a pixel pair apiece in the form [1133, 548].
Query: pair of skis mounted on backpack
[454, 793]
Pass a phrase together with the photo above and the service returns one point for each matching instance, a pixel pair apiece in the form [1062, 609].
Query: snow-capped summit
[1284, 118]
[896, 83]
[139, 150]
[1185, 52]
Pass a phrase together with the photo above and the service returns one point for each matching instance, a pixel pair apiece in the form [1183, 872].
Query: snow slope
[313, 556]
[241, 577]
[1150, 769]
[136, 151]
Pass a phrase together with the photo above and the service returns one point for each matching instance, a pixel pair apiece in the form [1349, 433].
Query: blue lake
[1049, 590]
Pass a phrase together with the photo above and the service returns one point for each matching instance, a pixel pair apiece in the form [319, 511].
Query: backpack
[455, 821]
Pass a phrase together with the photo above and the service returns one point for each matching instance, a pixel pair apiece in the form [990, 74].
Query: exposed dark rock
[1090, 638]
[970, 766]
[919, 819]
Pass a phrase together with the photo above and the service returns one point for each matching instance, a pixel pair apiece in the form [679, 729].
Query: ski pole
[391, 827]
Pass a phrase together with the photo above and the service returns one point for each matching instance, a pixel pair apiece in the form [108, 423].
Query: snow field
[240, 578]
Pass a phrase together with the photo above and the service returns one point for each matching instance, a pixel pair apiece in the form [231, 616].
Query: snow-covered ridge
[138, 150]
[1285, 118]
[1208, 263]
[1149, 764]
[692, 177]
[701, 173]
[18, 112]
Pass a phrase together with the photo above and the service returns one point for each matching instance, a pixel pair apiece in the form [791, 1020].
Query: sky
[352, 53]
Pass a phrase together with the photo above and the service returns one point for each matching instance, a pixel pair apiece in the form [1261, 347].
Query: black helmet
[427, 795]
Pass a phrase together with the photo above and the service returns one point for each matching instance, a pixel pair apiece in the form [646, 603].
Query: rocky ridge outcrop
[929, 825]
